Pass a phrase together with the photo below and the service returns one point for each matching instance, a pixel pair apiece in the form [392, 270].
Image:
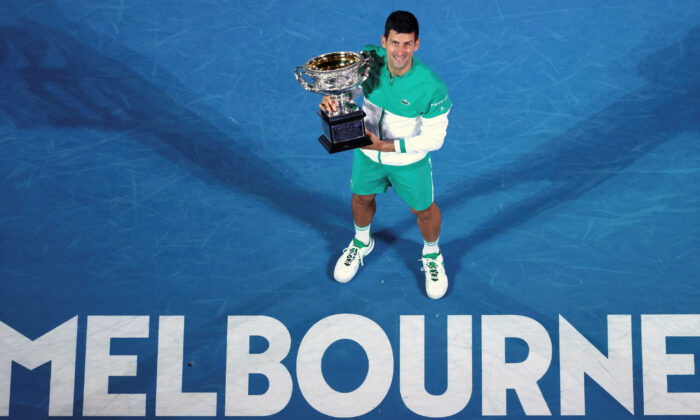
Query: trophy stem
[344, 105]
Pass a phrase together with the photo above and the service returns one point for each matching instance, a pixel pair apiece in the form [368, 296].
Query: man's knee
[427, 213]
[363, 200]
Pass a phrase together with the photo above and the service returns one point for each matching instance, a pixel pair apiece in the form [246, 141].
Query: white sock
[431, 247]
[362, 233]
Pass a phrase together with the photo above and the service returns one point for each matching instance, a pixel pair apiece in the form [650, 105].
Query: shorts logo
[405, 102]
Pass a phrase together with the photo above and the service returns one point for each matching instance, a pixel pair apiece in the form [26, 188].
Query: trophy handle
[300, 78]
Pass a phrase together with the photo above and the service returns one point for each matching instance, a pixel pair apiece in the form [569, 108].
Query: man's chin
[399, 66]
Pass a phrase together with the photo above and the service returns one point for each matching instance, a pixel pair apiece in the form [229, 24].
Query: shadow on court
[83, 88]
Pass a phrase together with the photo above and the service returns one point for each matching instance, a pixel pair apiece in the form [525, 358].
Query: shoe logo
[405, 102]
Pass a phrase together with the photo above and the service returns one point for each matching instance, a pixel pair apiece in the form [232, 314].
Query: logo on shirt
[405, 102]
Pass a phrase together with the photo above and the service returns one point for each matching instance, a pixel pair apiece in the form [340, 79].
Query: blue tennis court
[169, 223]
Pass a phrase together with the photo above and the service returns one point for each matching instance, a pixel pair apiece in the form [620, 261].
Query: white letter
[498, 376]
[373, 341]
[578, 358]
[240, 363]
[100, 365]
[459, 367]
[170, 400]
[657, 365]
[56, 346]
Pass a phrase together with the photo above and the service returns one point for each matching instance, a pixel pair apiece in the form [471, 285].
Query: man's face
[399, 51]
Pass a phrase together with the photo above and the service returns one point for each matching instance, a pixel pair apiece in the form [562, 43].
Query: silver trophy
[335, 74]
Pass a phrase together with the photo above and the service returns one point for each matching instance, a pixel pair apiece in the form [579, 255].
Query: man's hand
[328, 104]
[380, 145]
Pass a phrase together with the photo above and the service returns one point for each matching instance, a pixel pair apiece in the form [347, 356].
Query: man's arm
[380, 145]
[431, 137]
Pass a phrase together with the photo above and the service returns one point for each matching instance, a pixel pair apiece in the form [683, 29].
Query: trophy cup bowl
[335, 74]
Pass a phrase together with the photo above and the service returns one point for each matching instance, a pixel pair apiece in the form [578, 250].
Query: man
[406, 106]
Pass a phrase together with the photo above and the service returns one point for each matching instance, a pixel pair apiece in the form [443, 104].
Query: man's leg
[414, 184]
[368, 179]
[429, 221]
[363, 209]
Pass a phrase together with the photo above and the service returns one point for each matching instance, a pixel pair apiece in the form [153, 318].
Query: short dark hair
[402, 22]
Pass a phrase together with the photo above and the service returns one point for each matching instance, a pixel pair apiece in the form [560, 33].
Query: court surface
[159, 167]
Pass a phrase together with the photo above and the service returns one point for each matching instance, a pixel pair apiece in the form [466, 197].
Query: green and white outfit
[412, 111]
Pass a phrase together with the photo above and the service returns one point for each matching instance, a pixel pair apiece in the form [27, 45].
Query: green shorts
[413, 183]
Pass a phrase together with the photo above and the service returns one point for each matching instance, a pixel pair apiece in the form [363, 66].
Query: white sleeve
[431, 137]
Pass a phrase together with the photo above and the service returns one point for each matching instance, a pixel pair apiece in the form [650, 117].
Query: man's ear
[383, 41]
[417, 45]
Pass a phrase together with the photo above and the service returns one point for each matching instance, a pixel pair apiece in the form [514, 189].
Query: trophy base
[343, 132]
[343, 146]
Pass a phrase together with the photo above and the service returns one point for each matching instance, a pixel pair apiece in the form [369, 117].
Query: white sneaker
[435, 276]
[350, 261]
